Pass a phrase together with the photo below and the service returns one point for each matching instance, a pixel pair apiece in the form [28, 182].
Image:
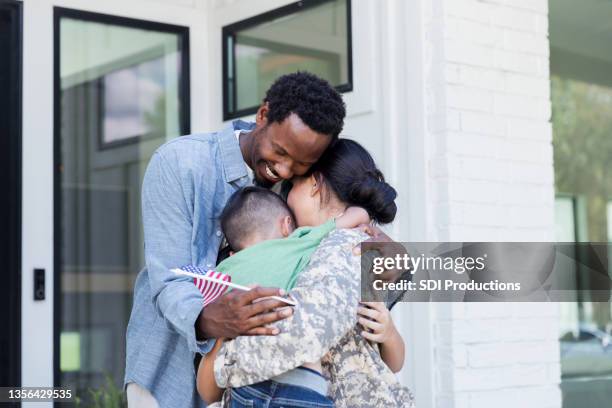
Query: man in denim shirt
[186, 186]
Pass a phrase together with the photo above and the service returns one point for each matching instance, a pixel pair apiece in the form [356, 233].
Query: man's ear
[261, 117]
[231, 253]
[287, 226]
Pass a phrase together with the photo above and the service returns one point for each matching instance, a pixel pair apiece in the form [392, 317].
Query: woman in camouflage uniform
[324, 323]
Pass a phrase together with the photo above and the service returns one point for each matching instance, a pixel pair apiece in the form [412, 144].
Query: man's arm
[327, 295]
[167, 214]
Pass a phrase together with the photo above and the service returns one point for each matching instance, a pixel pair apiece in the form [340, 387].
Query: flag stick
[230, 284]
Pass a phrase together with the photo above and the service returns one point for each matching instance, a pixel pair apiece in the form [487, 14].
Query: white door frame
[38, 323]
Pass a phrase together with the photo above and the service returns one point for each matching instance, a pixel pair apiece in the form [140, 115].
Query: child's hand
[376, 321]
[352, 218]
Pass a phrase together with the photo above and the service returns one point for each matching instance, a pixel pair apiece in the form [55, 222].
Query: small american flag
[210, 290]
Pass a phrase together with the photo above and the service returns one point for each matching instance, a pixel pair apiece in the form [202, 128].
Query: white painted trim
[37, 195]
[403, 78]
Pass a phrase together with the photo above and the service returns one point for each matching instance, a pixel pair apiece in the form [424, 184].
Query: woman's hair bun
[376, 196]
[349, 170]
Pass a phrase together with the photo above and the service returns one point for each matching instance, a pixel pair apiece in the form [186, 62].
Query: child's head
[254, 214]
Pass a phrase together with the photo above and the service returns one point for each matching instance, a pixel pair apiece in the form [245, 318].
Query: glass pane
[314, 40]
[581, 92]
[120, 99]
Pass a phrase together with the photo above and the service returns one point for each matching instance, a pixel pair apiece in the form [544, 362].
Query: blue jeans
[271, 394]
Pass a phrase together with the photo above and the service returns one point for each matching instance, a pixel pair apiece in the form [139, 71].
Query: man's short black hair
[313, 99]
[249, 212]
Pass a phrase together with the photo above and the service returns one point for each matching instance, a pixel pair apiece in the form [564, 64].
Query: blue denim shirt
[187, 183]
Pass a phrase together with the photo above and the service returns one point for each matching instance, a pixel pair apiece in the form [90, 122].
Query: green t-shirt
[276, 262]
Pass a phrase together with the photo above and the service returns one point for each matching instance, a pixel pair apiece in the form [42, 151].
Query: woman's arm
[327, 294]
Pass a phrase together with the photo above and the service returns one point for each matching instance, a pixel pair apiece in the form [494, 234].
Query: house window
[121, 90]
[313, 36]
[581, 94]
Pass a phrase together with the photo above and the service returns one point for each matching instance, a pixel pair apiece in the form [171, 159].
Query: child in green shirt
[267, 249]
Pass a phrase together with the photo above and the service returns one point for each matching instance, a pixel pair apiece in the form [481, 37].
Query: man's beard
[262, 183]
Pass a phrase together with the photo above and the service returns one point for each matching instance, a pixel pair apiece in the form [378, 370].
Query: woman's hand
[377, 322]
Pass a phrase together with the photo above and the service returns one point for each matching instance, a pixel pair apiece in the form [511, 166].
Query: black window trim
[13, 243]
[184, 120]
[227, 33]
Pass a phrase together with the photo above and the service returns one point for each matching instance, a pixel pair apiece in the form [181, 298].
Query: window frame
[11, 238]
[184, 123]
[229, 31]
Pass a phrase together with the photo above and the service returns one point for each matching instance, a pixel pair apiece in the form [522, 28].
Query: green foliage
[582, 139]
[109, 396]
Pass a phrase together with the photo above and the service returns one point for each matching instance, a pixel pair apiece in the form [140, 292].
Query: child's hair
[348, 169]
[250, 211]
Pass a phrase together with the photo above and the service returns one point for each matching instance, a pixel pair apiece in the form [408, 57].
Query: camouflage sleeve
[327, 294]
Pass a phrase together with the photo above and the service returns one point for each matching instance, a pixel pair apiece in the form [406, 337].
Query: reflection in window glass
[259, 50]
[119, 98]
[581, 93]
[133, 98]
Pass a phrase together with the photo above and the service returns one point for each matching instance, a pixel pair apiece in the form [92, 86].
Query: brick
[468, 144]
[460, 51]
[469, 9]
[476, 77]
[514, 18]
[469, 98]
[538, 6]
[513, 61]
[474, 191]
[526, 151]
[518, 128]
[467, 379]
[487, 310]
[483, 124]
[472, 31]
[532, 309]
[548, 396]
[526, 85]
[522, 106]
[525, 42]
[504, 398]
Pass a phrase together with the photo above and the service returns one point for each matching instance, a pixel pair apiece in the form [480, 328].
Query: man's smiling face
[283, 150]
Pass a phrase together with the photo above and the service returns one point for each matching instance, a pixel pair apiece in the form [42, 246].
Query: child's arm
[352, 218]
[207, 387]
[379, 328]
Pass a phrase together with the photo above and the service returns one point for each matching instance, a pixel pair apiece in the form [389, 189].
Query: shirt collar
[232, 161]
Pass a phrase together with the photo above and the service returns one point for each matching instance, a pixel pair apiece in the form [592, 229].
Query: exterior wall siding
[492, 168]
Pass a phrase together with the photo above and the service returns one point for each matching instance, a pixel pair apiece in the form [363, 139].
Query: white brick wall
[492, 175]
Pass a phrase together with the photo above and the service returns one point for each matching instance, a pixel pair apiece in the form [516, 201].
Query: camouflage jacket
[323, 327]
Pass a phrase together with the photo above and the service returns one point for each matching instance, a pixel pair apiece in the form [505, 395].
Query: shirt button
[218, 233]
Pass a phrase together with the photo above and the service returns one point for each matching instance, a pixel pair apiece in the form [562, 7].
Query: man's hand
[242, 313]
[387, 248]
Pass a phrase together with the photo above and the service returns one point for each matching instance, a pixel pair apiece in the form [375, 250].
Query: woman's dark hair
[348, 169]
